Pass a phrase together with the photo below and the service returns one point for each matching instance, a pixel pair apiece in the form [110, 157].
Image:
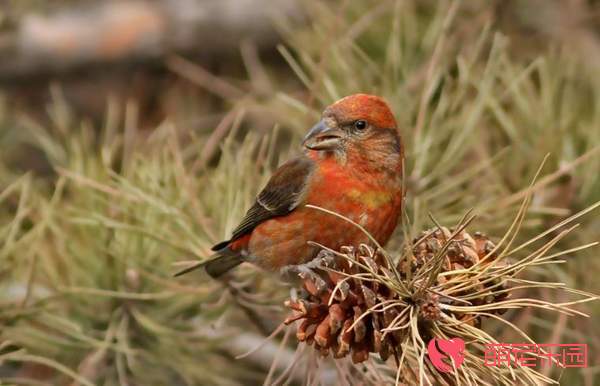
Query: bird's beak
[323, 137]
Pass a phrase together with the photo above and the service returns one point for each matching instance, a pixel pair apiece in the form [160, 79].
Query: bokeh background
[134, 134]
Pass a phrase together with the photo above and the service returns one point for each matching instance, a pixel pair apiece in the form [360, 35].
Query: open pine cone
[332, 312]
[463, 252]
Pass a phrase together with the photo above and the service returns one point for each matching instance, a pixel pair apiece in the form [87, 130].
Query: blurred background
[134, 134]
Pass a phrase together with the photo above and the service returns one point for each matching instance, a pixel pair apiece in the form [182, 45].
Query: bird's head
[359, 128]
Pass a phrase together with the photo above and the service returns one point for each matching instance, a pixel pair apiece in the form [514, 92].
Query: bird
[351, 164]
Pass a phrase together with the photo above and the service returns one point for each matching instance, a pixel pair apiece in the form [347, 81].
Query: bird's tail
[223, 263]
[217, 265]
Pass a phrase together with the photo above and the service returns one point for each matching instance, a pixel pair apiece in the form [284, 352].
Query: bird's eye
[360, 124]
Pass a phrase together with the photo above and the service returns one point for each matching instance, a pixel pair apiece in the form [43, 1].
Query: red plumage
[352, 165]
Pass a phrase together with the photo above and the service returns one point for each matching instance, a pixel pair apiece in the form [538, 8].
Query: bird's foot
[306, 272]
[324, 259]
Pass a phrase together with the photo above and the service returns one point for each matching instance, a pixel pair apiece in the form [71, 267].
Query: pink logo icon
[452, 349]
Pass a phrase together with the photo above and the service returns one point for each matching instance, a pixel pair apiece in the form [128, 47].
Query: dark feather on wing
[284, 192]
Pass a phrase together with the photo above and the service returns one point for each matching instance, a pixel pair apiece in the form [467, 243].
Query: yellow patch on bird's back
[371, 198]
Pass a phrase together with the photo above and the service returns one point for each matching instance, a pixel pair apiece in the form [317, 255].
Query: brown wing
[284, 192]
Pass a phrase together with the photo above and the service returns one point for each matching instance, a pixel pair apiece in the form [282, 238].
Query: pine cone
[334, 319]
[333, 309]
[464, 251]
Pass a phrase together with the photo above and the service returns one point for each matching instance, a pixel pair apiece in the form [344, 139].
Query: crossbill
[351, 165]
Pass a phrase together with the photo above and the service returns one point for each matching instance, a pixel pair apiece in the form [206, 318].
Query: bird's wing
[285, 190]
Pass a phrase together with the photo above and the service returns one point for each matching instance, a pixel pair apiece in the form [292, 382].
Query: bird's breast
[370, 201]
[336, 187]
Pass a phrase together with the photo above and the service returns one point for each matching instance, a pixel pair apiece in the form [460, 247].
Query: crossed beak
[322, 137]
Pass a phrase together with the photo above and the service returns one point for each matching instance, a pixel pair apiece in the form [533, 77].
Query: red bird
[352, 165]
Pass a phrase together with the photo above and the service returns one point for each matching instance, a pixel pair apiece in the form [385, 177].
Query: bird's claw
[325, 258]
[306, 272]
